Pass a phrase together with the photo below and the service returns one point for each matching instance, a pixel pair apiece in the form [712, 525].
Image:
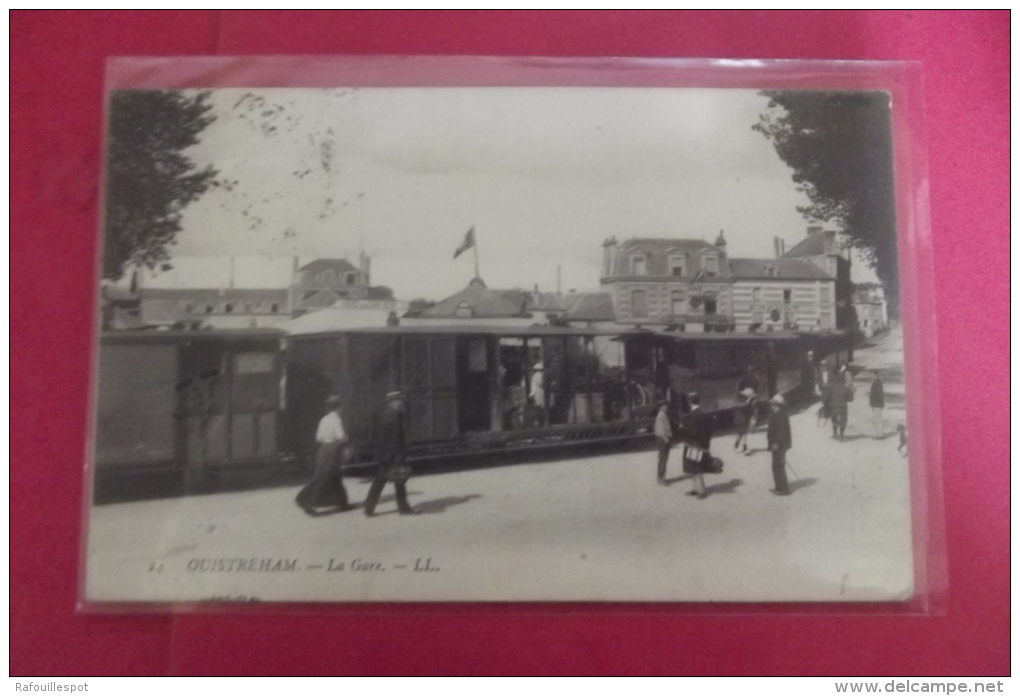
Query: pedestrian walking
[746, 418]
[390, 451]
[663, 440]
[780, 440]
[697, 446]
[326, 489]
[876, 399]
[839, 394]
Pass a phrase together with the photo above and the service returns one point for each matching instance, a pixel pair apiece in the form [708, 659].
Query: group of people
[326, 489]
[695, 434]
[840, 391]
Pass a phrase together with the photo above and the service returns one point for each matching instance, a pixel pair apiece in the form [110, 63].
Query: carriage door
[474, 388]
[430, 380]
[254, 398]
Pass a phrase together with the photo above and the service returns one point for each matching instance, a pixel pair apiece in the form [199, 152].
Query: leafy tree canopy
[839, 145]
[149, 178]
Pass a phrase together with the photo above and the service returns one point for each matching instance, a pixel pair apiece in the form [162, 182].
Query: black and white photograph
[502, 344]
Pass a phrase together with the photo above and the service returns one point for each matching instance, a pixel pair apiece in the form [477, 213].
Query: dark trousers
[376, 489]
[779, 471]
[664, 447]
[326, 489]
[839, 419]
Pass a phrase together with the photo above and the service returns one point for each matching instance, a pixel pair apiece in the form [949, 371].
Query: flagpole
[475, 245]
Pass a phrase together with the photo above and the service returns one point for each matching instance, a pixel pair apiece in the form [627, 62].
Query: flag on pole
[469, 241]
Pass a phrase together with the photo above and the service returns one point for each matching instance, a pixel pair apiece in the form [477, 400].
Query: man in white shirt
[326, 489]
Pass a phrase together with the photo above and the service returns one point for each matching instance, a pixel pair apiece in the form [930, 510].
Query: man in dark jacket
[697, 442]
[876, 399]
[389, 452]
[780, 440]
[839, 395]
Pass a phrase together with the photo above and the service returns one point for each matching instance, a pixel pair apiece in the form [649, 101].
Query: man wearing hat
[390, 449]
[746, 413]
[326, 489]
[780, 440]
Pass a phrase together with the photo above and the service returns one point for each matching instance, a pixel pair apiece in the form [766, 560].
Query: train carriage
[477, 388]
[187, 403]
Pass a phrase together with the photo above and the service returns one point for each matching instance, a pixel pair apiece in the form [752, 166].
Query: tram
[193, 405]
[472, 389]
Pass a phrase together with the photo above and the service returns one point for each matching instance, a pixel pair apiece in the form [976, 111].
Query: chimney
[775, 247]
[230, 282]
[608, 256]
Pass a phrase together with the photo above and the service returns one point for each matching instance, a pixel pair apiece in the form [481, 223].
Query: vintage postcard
[499, 344]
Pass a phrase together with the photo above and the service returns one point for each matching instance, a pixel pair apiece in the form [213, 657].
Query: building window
[463, 310]
[770, 271]
[677, 302]
[756, 296]
[228, 307]
[824, 293]
[787, 295]
[208, 309]
[639, 303]
[274, 308]
[711, 266]
[351, 279]
[676, 265]
[710, 305]
[639, 265]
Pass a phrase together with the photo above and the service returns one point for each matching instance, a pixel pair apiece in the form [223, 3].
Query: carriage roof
[224, 335]
[545, 331]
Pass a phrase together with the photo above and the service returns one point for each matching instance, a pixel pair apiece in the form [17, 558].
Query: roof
[589, 306]
[812, 245]
[791, 269]
[663, 244]
[122, 319]
[551, 331]
[323, 298]
[333, 319]
[161, 312]
[264, 334]
[217, 294]
[467, 329]
[482, 302]
[340, 265]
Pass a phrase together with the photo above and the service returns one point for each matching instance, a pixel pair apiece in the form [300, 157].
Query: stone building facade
[691, 285]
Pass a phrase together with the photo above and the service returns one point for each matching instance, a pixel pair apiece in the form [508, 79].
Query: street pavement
[587, 528]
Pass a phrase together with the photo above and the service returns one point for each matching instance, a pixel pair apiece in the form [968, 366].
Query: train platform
[589, 528]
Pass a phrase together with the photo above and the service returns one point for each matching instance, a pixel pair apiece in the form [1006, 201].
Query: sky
[543, 175]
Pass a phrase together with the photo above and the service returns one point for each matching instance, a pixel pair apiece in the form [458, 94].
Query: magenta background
[57, 62]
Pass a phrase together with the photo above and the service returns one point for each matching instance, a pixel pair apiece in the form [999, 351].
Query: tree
[149, 178]
[839, 145]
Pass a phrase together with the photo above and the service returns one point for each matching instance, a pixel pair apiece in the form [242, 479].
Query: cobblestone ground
[591, 528]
